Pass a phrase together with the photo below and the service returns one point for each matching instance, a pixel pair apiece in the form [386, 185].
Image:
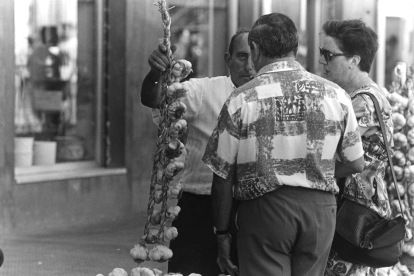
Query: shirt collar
[232, 84]
[280, 66]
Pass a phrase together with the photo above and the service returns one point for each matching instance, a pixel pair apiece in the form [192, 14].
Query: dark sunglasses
[328, 55]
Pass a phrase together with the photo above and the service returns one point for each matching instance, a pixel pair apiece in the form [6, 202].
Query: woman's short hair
[354, 37]
[276, 35]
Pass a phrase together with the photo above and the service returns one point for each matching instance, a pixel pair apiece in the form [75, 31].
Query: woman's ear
[355, 60]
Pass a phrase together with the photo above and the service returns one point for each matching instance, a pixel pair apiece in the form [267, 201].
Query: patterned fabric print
[336, 267]
[362, 185]
[283, 128]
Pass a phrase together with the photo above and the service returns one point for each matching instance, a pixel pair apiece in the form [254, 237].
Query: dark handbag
[361, 235]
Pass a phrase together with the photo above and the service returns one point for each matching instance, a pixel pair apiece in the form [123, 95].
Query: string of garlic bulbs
[168, 147]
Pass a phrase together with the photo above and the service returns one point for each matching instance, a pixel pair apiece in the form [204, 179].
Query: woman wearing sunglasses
[347, 52]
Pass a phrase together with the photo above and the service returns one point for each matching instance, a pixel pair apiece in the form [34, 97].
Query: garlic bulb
[170, 233]
[176, 91]
[180, 70]
[144, 271]
[173, 211]
[152, 236]
[177, 128]
[156, 217]
[139, 252]
[160, 253]
[175, 191]
[118, 272]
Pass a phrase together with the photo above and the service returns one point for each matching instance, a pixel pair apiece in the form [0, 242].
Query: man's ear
[255, 51]
[227, 58]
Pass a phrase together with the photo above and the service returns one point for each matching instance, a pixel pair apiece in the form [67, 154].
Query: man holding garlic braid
[195, 248]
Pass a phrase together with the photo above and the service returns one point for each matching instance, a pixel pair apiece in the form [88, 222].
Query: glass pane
[55, 112]
[399, 36]
[194, 28]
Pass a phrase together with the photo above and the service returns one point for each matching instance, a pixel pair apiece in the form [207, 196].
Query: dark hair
[354, 37]
[233, 38]
[276, 35]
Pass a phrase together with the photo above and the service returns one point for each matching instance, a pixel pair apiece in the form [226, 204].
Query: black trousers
[287, 232]
[195, 248]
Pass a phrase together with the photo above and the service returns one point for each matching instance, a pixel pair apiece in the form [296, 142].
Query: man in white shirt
[195, 248]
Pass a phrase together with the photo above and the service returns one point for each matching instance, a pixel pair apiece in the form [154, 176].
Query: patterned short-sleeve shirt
[285, 127]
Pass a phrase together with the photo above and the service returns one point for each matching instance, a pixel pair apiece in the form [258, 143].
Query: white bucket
[44, 153]
[23, 151]
[23, 159]
[23, 144]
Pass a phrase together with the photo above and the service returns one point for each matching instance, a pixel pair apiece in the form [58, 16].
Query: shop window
[199, 30]
[399, 35]
[59, 93]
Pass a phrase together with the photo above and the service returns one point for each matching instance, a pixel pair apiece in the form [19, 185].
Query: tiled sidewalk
[82, 251]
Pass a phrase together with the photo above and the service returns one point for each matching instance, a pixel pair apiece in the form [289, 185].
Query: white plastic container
[23, 159]
[44, 153]
[23, 151]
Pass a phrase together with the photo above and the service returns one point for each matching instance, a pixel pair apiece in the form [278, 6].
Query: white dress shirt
[204, 101]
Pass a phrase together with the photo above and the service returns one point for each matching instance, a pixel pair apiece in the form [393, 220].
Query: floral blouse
[369, 186]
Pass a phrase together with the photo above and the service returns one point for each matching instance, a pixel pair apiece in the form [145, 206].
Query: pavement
[80, 251]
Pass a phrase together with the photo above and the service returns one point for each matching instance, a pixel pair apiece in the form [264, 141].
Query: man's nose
[249, 65]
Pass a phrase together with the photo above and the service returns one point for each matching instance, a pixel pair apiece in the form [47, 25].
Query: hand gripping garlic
[139, 252]
[170, 233]
[118, 272]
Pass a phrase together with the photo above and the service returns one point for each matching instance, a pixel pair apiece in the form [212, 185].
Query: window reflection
[195, 24]
[49, 108]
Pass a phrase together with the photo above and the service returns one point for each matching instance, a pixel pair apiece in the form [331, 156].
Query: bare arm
[357, 166]
[151, 86]
[221, 198]
[151, 90]
[345, 169]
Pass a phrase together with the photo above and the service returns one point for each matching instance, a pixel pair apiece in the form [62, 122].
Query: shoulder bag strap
[387, 145]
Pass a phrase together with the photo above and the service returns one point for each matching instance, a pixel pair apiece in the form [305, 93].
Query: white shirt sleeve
[192, 100]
